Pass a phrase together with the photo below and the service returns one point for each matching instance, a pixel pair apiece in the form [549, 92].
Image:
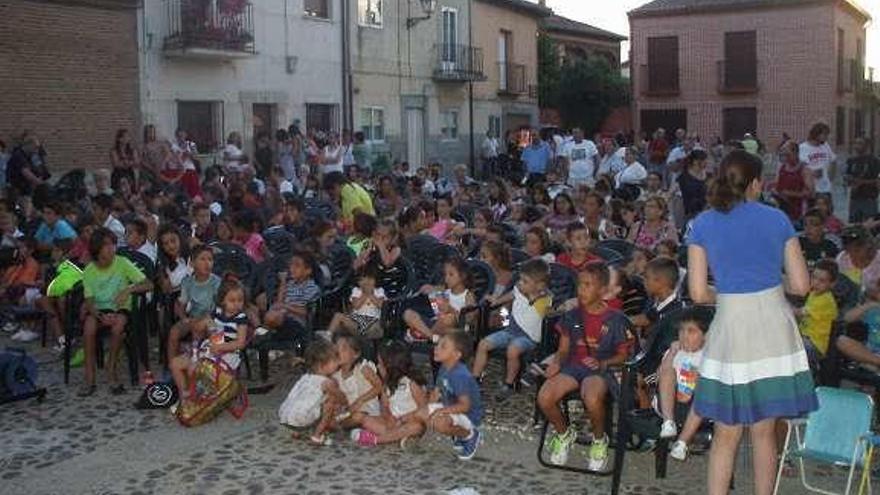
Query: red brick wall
[797, 68]
[70, 74]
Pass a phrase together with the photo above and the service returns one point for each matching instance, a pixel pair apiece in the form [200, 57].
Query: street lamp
[428, 7]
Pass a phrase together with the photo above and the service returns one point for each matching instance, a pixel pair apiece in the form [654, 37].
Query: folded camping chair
[837, 433]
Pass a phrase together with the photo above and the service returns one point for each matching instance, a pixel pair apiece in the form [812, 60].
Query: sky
[611, 15]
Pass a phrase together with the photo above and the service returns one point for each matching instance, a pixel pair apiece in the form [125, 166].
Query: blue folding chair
[836, 433]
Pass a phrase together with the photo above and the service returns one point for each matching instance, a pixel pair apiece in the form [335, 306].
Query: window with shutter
[739, 121]
[662, 76]
[740, 67]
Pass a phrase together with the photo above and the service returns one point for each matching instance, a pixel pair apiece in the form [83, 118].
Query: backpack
[213, 388]
[18, 375]
[157, 395]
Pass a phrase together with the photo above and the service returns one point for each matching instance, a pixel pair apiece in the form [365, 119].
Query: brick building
[722, 68]
[70, 74]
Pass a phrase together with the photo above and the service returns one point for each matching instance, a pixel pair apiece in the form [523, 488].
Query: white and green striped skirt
[754, 364]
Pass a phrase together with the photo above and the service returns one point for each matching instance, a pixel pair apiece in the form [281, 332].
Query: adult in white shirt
[819, 157]
[580, 156]
[633, 173]
[348, 154]
[611, 161]
[232, 153]
[333, 156]
[184, 150]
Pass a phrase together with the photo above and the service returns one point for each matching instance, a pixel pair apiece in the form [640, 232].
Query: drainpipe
[471, 92]
[346, 70]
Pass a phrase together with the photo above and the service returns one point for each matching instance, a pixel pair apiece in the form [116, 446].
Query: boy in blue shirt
[454, 406]
[53, 229]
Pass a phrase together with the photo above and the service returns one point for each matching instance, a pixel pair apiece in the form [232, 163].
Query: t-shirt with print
[301, 293]
[197, 297]
[687, 372]
[228, 326]
[599, 336]
[456, 382]
[102, 284]
[528, 316]
[58, 232]
[582, 159]
[818, 160]
[820, 311]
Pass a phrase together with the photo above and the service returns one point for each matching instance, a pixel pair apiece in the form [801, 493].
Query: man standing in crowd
[580, 160]
[862, 174]
[489, 153]
[536, 158]
[819, 157]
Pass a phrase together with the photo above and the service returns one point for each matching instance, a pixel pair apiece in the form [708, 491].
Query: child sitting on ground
[445, 306]
[531, 302]
[220, 338]
[195, 305]
[678, 374]
[578, 256]
[592, 338]
[358, 380]
[820, 311]
[454, 406]
[315, 400]
[403, 395]
[366, 308]
[288, 315]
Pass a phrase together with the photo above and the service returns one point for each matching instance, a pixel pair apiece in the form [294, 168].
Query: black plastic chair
[511, 236]
[420, 252]
[518, 256]
[233, 259]
[319, 209]
[143, 312]
[622, 247]
[279, 241]
[398, 282]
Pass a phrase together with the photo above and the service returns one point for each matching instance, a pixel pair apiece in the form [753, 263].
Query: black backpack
[159, 395]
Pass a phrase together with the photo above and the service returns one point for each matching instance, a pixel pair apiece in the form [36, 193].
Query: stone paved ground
[103, 445]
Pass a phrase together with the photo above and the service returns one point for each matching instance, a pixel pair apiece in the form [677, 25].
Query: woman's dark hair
[127, 151]
[408, 216]
[501, 252]
[351, 340]
[364, 224]
[461, 267]
[566, 197]
[281, 135]
[398, 362]
[98, 239]
[163, 256]
[695, 156]
[737, 171]
[818, 129]
[320, 228]
[503, 194]
[542, 236]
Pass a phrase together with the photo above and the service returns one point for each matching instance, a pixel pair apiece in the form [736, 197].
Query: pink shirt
[253, 246]
[867, 277]
[441, 229]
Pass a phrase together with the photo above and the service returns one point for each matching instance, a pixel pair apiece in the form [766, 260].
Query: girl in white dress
[358, 380]
[315, 400]
[402, 396]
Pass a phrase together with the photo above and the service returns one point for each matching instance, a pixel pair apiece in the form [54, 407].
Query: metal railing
[458, 63]
[733, 79]
[224, 25]
[651, 82]
[512, 78]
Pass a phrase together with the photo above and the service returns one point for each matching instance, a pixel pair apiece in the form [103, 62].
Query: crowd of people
[694, 217]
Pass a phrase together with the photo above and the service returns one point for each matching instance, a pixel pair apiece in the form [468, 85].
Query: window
[495, 125]
[739, 121]
[449, 35]
[449, 123]
[662, 74]
[370, 12]
[858, 124]
[318, 8]
[841, 75]
[669, 119]
[840, 126]
[321, 117]
[201, 121]
[373, 123]
[740, 61]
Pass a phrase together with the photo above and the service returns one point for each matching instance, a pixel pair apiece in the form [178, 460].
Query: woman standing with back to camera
[754, 369]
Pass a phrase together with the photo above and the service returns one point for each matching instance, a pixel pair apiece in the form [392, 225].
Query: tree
[587, 91]
[548, 72]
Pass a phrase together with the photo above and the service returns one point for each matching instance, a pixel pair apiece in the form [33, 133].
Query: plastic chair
[836, 433]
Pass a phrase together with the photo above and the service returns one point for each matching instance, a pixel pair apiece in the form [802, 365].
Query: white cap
[216, 209]
[286, 187]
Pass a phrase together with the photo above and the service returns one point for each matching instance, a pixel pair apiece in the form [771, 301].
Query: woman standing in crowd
[746, 245]
[124, 158]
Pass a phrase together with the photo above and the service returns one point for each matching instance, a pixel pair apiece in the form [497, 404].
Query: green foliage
[588, 90]
[548, 71]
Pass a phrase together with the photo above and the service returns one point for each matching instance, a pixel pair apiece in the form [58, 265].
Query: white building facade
[212, 67]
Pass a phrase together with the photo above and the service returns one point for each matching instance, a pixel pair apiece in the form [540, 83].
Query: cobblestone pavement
[103, 445]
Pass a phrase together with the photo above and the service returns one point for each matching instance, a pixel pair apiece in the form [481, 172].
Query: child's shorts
[508, 337]
[460, 420]
[581, 373]
[367, 326]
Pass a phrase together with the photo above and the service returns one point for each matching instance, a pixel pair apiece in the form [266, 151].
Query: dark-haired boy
[454, 407]
[592, 338]
[814, 243]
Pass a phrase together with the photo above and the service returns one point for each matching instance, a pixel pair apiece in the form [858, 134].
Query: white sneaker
[61, 345]
[25, 335]
[273, 355]
[260, 331]
[11, 327]
[679, 451]
[668, 430]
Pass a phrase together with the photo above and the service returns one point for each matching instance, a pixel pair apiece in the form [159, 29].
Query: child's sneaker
[11, 327]
[559, 445]
[26, 335]
[668, 430]
[679, 451]
[469, 445]
[598, 454]
[505, 393]
[364, 438]
[62, 343]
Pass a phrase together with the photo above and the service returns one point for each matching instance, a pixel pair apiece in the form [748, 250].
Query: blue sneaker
[470, 446]
[458, 445]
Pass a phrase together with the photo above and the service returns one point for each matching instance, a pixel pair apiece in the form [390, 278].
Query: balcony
[512, 79]
[658, 80]
[209, 29]
[458, 63]
[734, 79]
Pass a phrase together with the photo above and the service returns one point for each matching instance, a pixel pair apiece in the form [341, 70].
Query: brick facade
[797, 67]
[70, 74]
